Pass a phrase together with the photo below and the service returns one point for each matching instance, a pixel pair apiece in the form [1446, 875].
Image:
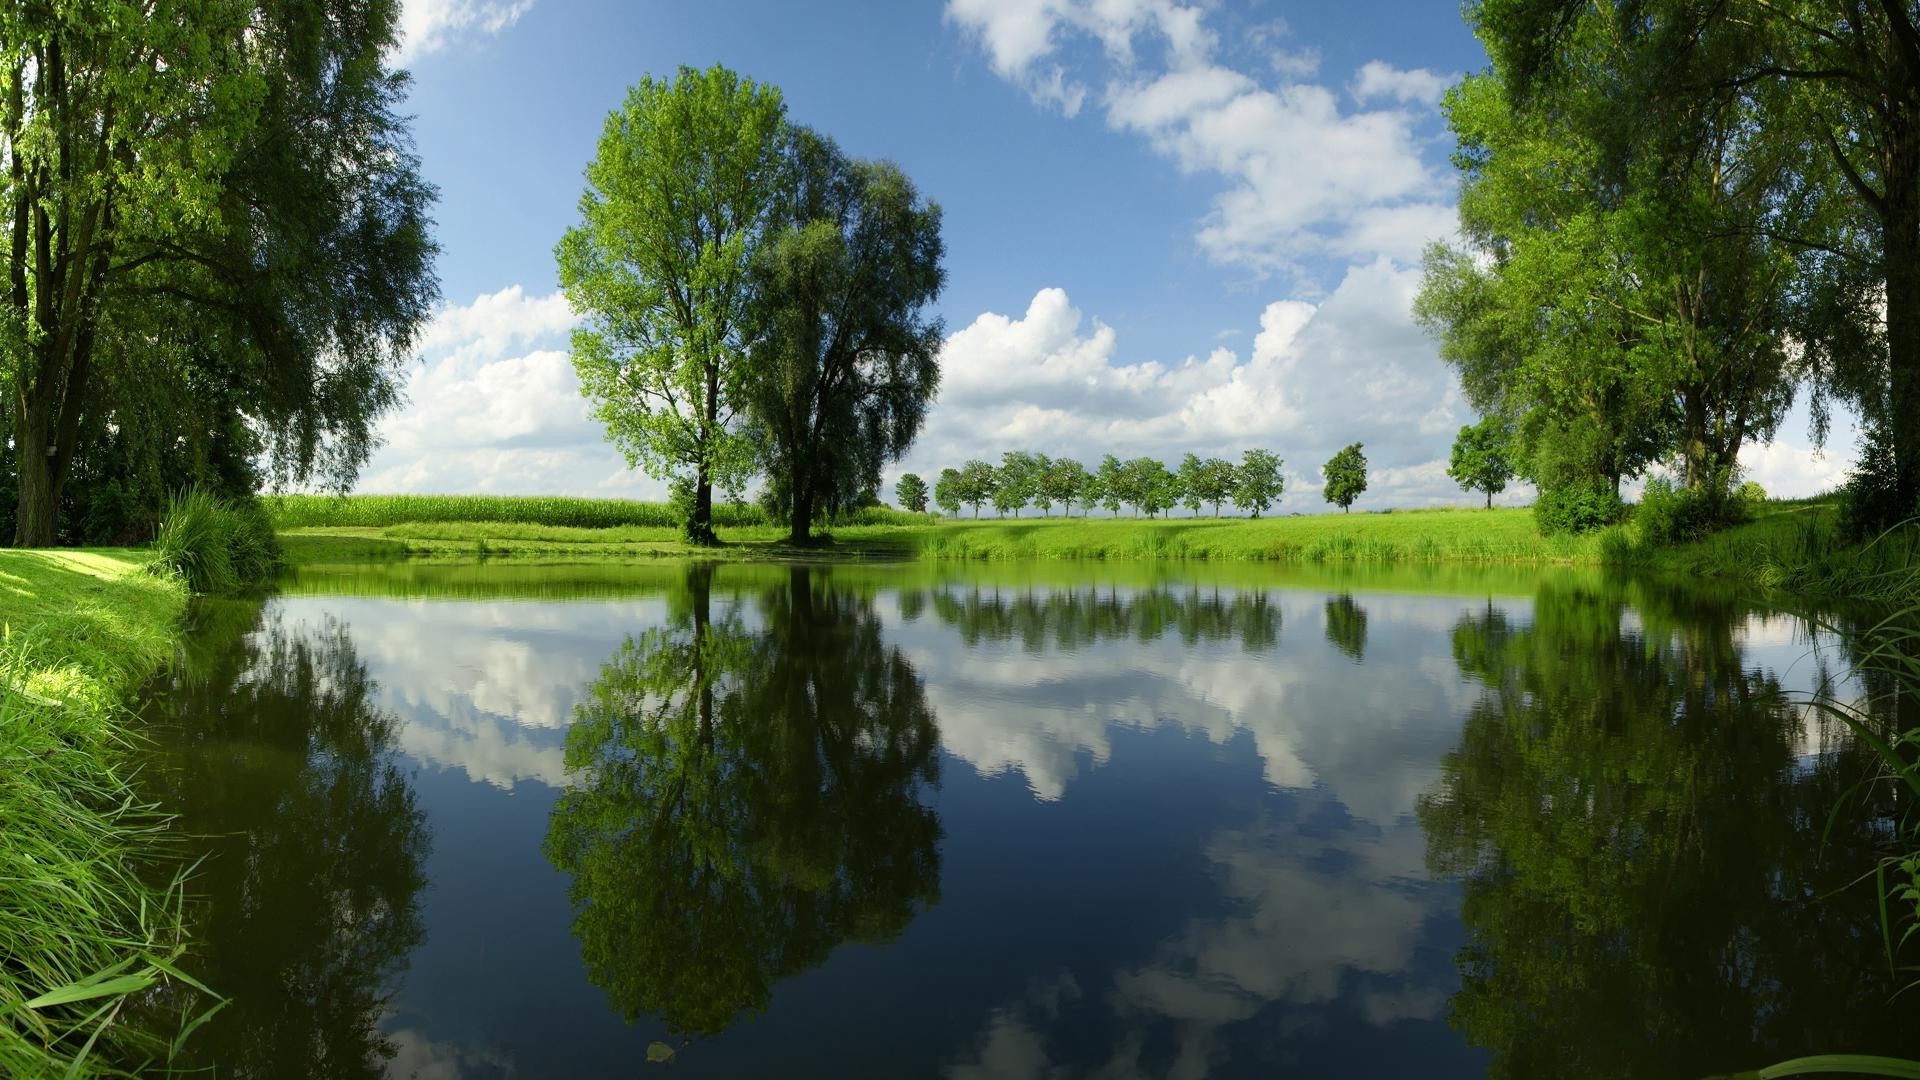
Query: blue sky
[1170, 226]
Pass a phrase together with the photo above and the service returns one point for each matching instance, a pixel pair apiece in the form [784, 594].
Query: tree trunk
[1902, 220]
[36, 525]
[700, 523]
[800, 529]
[1489, 500]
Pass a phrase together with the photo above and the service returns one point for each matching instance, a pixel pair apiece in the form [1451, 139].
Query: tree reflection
[1347, 626]
[1068, 619]
[1648, 892]
[743, 800]
[279, 763]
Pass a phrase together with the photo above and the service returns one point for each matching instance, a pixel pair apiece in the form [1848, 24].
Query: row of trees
[215, 252]
[753, 299]
[1146, 484]
[1672, 220]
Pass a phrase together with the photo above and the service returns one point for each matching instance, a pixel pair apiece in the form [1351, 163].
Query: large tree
[679, 198]
[216, 238]
[1257, 482]
[844, 357]
[1834, 86]
[1616, 306]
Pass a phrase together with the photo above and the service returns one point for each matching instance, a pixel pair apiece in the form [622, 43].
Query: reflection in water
[742, 801]
[1347, 626]
[1647, 880]
[274, 752]
[1067, 619]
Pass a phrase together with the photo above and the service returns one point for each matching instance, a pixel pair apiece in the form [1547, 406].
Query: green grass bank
[1795, 545]
[82, 929]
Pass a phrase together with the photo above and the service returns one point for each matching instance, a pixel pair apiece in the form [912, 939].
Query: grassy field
[81, 929]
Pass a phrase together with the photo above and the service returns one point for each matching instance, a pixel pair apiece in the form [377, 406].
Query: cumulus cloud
[1378, 79]
[430, 25]
[1317, 376]
[1304, 176]
[493, 406]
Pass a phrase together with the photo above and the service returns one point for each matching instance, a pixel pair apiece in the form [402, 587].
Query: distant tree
[1112, 481]
[1209, 481]
[1064, 480]
[685, 181]
[1149, 486]
[1191, 483]
[1346, 476]
[1043, 494]
[845, 358]
[946, 491]
[975, 483]
[912, 493]
[1481, 457]
[1015, 482]
[1257, 483]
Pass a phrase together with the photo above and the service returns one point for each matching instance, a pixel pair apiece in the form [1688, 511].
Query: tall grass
[214, 544]
[84, 934]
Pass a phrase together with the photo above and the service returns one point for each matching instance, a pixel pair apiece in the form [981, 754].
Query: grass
[379, 511]
[82, 930]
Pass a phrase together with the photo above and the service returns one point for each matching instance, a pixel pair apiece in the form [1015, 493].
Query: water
[511, 820]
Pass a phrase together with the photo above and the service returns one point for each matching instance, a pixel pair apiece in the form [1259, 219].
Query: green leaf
[659, 1053]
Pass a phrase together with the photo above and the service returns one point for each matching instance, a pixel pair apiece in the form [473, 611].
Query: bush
[1670, 514]
[213, 544]
[1750, 494]
[1576, 508]
[1872, 504]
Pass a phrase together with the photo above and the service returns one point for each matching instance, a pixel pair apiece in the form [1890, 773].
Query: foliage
[1481, 459]
[1834, 90]
[1110, 484]
[1614, 304]
[976, 484]
[1345, 474]
[1257, 483]
[946, 491]
[1670, 514]
[1871, 498]
[843, 360]
[220, 248]
[1208, 482]
[213, 544]
[1576, 508]
[1065, 481]
[1016, 481]
[679, 194]
[912, 493]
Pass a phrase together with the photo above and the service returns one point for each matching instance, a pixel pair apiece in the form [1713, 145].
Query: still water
[899, 821]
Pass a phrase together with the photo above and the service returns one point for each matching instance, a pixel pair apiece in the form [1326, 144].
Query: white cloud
[1304, 178]
[1378, 79]
[430, 25]
[494, 407]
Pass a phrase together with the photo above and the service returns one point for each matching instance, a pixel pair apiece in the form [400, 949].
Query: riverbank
[1794, 546]
[81, 929]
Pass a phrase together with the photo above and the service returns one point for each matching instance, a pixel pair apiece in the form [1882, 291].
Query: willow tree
[679, 195]
[1837, 84]
[845, 358]
[214, 222]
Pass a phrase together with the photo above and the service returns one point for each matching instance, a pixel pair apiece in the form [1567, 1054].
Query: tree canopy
[1480, 460]
[844, 359]
[682, 188]
[218, 250]
[1346, 477]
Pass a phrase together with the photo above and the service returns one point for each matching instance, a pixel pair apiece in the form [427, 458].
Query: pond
[508, 819]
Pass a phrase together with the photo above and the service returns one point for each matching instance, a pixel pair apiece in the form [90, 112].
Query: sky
[1171, 226]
